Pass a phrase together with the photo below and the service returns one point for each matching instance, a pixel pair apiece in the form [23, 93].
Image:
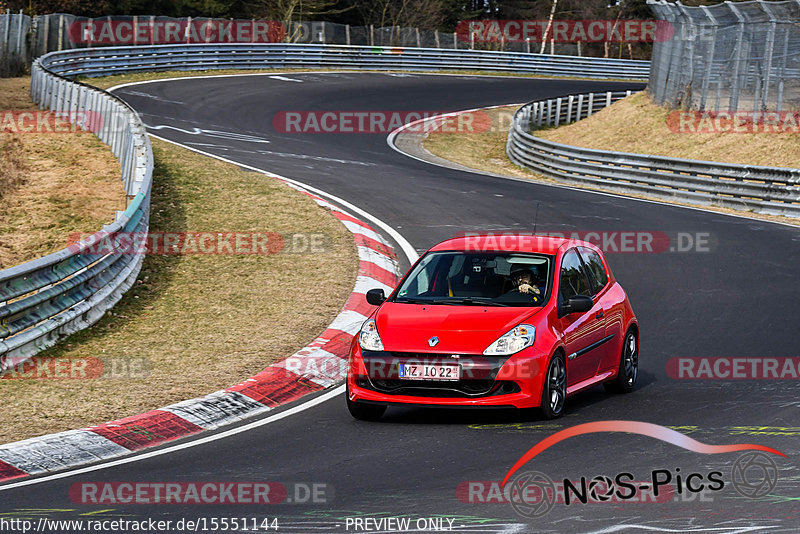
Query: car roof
[541, 244]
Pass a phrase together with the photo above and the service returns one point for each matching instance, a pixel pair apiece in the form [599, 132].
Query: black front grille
[442, 388]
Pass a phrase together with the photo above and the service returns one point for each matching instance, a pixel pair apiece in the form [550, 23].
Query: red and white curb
[320, 365]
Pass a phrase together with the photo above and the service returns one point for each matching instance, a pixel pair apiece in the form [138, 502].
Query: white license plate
[429, 371]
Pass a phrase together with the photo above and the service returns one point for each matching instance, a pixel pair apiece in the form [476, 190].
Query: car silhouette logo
[433, 341]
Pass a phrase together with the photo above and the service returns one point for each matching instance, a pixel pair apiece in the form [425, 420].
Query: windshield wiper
[404, 300]
[470, 302]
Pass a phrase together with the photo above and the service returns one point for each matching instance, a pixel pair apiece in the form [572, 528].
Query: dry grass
[201, 322]
[637, 125]
[51, 185]
[482, 150]
[486, 151]
[12, 165]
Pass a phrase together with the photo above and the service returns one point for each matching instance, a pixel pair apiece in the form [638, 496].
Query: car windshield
[478, 278]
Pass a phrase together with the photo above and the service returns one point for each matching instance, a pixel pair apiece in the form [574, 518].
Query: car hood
[460, 329]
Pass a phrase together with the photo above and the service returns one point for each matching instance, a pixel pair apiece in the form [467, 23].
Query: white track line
[200, 441]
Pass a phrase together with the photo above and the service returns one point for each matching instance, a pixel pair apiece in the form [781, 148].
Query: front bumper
[514, 381]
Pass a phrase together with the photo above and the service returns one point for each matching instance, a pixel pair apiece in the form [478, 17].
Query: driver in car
[522, 279]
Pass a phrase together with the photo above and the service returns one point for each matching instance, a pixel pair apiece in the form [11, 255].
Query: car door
[583, 332]
[610, 299]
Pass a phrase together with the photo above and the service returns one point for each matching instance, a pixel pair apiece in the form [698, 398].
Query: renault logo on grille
[433, 341]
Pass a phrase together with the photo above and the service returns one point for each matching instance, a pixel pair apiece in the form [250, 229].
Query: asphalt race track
[736, 297]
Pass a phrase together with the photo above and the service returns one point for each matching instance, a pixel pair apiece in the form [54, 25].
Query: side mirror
[376, 297]
[576, 304]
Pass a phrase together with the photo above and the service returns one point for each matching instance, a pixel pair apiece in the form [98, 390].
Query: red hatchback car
[495, 321]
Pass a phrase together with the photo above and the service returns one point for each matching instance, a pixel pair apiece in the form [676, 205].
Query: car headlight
[368, 338]
[512, 342]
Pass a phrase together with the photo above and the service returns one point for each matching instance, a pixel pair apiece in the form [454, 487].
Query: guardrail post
[74, 97]
[59, 107]
[113, 139]
[570, 101]
[580, 108]
[51, 101]
[100, 107]
[608, 98]
[42, 87]
[558, 112]
[591, 105]
[80, 111]
[347, 33]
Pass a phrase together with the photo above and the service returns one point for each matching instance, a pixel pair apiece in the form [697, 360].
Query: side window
[573, 277]
[595, 266]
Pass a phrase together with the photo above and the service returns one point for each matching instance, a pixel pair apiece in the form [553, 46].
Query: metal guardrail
[44, 300]
[124, 59]
[769, 190]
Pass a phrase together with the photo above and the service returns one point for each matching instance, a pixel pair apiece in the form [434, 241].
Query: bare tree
[425, 14]
[289, 12]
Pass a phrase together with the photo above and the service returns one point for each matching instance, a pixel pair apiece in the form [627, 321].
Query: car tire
[364, 412]
[554, 390]
[628, 370]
